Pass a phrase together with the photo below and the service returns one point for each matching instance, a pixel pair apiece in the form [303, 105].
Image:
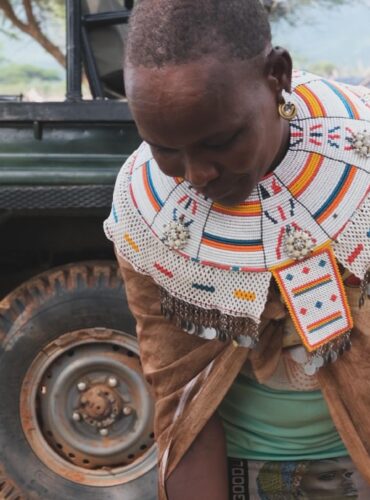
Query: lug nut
[127, 410]
[76, 416]
[112, 382]
[103, 432]
[82, 386]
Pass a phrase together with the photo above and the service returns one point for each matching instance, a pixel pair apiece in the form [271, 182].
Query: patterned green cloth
[333, 478]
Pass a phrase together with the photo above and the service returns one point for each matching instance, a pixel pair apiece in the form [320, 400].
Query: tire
[81, 305]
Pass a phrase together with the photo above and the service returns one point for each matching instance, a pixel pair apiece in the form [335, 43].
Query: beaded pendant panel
[314, 294]
[220, 259]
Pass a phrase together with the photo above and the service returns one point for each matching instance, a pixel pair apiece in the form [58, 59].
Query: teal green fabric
[267, 424]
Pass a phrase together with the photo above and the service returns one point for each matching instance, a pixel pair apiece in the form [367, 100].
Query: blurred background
[329, 37]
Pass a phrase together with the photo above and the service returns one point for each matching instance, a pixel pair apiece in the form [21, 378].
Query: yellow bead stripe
[245, 295]
[131, 242]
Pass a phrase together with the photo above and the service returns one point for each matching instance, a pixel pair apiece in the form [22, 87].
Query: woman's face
[328, 476]
[214, 124]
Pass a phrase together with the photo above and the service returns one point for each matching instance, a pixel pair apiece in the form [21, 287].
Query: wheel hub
[100, 406]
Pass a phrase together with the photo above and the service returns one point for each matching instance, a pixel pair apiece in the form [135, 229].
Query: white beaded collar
[217, 261]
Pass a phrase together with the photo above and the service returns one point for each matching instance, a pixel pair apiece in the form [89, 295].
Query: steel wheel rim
[118, 446]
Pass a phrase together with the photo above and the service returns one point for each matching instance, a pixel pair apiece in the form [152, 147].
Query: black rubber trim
[53, 197]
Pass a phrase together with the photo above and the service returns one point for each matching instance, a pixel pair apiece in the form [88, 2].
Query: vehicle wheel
[76, 414]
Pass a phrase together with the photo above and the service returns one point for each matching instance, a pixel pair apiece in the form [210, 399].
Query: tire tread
[77, 276]
[8, 489]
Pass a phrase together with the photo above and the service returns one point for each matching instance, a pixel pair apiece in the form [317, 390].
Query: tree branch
[32, 28]
[29, 12]
[11, 15]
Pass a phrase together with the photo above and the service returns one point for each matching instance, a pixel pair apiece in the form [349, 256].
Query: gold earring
[287, 110]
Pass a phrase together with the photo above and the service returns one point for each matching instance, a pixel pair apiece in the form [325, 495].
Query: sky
[339, 34]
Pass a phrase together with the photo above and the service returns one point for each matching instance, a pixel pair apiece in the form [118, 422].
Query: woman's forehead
[187, 116]
[188, 82]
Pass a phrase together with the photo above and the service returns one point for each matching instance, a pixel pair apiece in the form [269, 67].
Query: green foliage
[50, 10]
[56, 7]
[324, 68]
[18, 73]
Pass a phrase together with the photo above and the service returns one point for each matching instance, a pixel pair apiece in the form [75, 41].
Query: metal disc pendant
[209, 333]
[245, 341]
[318, 361]
[310, 369]
[332, 357]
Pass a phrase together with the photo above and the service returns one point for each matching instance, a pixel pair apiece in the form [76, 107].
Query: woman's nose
[200, 172]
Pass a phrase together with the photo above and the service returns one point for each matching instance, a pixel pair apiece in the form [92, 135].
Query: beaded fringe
[364, 289]
[244, 331]
[328, 353]
[209, 323]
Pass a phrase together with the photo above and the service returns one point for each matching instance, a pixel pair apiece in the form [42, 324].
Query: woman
[240, 218]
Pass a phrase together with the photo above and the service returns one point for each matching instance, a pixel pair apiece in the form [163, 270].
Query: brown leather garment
[190, 376]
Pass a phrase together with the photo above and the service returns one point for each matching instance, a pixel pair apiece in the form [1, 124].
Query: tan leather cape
[190, 376]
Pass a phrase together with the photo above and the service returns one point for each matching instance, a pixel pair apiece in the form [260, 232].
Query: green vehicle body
[58, 164]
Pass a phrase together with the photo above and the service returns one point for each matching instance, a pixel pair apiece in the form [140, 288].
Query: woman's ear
[279, 67]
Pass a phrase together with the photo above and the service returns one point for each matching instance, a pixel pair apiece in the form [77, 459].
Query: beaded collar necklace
[214, 263]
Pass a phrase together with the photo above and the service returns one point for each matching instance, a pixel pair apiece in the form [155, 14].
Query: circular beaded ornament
[361, 143]
[175, 234]
[298, 243]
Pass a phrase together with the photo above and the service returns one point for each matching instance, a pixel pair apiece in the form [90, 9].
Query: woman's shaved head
[180, 31]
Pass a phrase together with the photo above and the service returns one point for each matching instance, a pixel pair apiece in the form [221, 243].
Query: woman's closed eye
[163, 150]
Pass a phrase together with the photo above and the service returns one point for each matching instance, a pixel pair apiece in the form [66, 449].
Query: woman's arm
[170, 360]
[202, 472]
